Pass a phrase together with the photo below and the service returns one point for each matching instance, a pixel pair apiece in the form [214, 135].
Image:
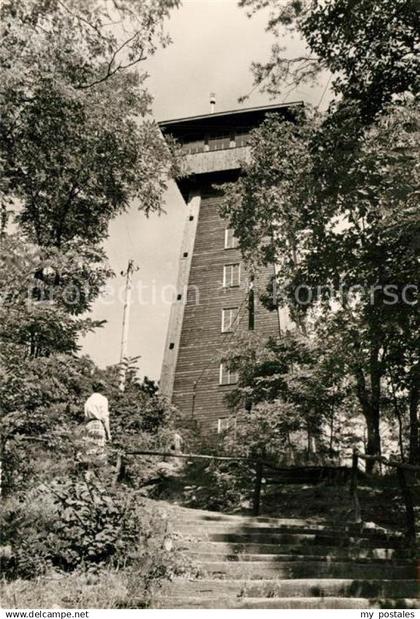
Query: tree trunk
[399, 419]
[370, 403]
[414, 456]
[373, 447]
[331, 433]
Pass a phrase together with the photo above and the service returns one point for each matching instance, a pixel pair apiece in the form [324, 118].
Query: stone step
[304, 587]
[276, 557]
[237, 548]
[187, 519]
[206, 528]
[229, 525]
[264, 562]
[189, 516]
[304, 569]
[196, 515]
[259, 521]
[289, 603]
[257, 536]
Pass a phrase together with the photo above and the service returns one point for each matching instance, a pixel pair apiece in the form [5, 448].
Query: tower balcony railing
[217, 160]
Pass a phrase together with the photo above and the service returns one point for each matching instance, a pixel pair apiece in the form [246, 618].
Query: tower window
[171, 346]
[231, 242]
[222, 424]
[178, 297]
[229, 317]
[227, 376]
[231, 275]
[185, 254]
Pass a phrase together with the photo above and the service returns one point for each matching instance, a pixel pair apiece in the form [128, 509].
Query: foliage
[105, 152]
[42, 411]
[77, 145]
[139, 408]
[346, 265]
[211, 485]
[44, 293]
[287, 385]
[369, 48]
[67, 524]
[72, 525]
[92, 48]
[107, 588]
[354, 172]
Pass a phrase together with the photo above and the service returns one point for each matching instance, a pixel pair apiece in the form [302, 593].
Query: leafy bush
[41, 402]
[69, 524]
[214, 485]
[230, 487]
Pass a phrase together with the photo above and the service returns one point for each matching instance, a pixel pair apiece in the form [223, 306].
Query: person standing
[97, 428]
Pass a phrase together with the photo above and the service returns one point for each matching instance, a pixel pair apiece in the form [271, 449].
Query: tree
[295, 382]
[369, 48]
[76, 147]
[340, 191]
[343, 265]
[76, 144]
[43, 294]
[41, 405]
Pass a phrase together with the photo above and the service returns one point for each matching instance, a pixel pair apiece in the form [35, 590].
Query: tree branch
[84, 20]
[110, 71]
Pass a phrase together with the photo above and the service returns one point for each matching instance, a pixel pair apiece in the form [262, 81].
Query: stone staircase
[247, 562]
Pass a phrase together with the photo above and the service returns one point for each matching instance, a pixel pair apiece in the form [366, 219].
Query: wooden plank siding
[201, 342]
[177, 310]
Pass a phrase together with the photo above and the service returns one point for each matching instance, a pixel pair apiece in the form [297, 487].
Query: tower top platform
[191, 126]
[216, 145]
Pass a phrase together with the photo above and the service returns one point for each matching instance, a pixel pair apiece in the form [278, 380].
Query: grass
[105, 589]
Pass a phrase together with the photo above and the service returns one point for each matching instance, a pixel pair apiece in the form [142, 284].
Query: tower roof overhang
[249, 117]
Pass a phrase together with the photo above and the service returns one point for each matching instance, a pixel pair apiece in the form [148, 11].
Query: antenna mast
[126, 321]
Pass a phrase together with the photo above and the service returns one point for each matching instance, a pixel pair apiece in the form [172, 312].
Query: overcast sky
[214, 43]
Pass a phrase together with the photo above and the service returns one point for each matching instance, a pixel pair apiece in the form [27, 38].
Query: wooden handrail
[257, 487]
[397, 465]
[260, 464]
[173, 454]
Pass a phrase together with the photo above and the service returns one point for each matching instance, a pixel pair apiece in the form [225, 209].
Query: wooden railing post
[409, 506]
[257, 487]
[353, 487]
[119, 470]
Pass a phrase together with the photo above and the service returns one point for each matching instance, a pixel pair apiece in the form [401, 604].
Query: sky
[214, 43]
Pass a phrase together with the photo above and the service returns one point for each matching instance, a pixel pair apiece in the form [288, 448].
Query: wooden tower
[216, 297]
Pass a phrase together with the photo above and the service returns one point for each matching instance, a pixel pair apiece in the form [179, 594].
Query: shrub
[215, 485]
[68, 524]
